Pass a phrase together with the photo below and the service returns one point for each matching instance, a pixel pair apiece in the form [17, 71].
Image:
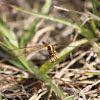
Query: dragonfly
[51, 50]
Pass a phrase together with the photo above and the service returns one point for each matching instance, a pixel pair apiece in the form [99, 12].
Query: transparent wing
[14, 57]
[32, 47]
[65, 44]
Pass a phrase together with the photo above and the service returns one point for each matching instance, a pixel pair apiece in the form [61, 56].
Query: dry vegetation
[78, 74]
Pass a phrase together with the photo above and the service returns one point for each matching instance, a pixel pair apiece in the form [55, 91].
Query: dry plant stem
[90, 66]
[41, 32]
[18, 95]
[78, 93]
[25, 91]
[37, 96]
[71, 63]
[87, 15]
[86, 89]
[25, 74]
[76, 59]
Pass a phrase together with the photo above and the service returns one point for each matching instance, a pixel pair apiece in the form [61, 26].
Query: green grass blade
[92, 73]
[46, 17]
[95, 11]
[14, 53]
[85, 32]
[94, 27]
[12, 61]
[44, 77]
[94, 8]
[97, 2]
[28, 35]
[45, 9]
[7, 33]
[5, 55]
[4, 46]
[0, 96]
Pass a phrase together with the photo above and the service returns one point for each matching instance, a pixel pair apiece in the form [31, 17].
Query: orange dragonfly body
[51, 50]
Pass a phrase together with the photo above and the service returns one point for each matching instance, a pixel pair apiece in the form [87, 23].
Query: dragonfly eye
[43, 42]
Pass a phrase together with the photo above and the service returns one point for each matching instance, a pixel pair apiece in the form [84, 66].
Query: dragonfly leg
[50, 57]
[55, 58]
[52, 60]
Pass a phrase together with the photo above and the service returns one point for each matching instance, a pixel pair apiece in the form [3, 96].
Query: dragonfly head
[45, 44]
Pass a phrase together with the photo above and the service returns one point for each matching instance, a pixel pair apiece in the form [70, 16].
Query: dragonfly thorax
[51, 49]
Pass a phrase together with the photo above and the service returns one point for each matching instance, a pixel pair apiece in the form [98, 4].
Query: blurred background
[71, 69]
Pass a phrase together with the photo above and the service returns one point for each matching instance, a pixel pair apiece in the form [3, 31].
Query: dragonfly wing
[66, 43]
[32, 47]
[63, 43]
[22, 54]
